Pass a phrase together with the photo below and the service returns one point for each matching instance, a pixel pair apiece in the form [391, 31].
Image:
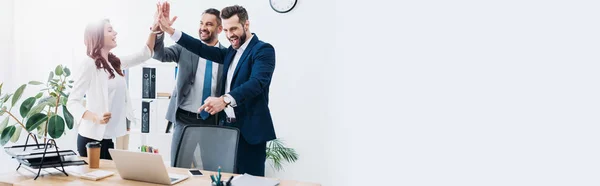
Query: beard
[241, 39]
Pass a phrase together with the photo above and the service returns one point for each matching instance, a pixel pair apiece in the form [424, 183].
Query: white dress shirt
[194, 100]
[236, 59]
[228, 110]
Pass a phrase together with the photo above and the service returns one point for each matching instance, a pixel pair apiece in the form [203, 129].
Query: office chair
[209, 145]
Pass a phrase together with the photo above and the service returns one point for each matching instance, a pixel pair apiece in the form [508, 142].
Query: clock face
[283, 6]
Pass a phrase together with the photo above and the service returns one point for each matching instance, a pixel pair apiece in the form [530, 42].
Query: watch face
[283, 6]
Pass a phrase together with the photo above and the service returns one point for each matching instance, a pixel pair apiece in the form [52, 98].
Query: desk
[24, 177]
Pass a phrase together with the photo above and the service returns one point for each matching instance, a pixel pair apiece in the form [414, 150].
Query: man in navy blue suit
[248, 66]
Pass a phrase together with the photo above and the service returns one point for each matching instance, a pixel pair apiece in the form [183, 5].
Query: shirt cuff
[233, 104]
[176, 35]
[229, 112]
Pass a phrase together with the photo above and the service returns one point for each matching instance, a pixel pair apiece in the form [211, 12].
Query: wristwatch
[227, 100]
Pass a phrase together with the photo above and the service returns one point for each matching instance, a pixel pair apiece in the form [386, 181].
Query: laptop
[144, 167]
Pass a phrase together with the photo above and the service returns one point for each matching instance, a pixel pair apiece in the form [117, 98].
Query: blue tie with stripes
[207, 87]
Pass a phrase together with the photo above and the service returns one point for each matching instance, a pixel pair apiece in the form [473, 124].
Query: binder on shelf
[145, 117]
[149, 83]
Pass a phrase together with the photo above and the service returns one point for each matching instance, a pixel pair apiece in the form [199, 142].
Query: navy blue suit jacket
[249, 85]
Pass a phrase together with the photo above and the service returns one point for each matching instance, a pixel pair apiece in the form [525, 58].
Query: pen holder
[222, 183]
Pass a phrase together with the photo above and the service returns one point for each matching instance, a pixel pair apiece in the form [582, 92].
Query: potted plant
[46, 112]
[278, 153]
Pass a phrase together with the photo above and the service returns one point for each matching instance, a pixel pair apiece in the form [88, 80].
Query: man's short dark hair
[214, 12]
[238, 10]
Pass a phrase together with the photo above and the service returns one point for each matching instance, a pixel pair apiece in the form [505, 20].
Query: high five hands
[162, 20]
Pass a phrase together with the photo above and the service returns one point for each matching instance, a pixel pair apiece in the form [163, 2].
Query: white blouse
[117, 97]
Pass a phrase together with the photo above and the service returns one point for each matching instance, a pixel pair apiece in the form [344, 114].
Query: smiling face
[110, 37]
[236, 32]
[210, 28]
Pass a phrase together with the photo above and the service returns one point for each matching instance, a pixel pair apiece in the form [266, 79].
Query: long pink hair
[94, 41]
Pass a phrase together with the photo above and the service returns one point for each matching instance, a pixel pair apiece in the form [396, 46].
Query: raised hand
[156, 25]
[164, 21]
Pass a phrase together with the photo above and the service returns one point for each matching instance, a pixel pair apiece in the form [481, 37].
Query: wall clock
[283, 6]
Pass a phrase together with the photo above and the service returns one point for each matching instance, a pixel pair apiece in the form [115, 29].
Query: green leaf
[36, 109]
[41, 130]
[1, 88]
[58, 70]
[277, 152]
[50, 101]
[39, 95]
[50, 76]
[64, 94]
[54, 84]
[5, 98]
[3, 110]
[67, 72]
[53, 94]
[26, 106]
[56, 126]
[35, 121]
[3, 124]
[6, 134]
[35, 83]
[18, 94]
[68, 117]
[15, 136]
[64, 100]
[70, 81]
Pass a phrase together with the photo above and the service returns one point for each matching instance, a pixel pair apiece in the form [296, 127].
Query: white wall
[7, 53]
[6, 36]
[467, 93]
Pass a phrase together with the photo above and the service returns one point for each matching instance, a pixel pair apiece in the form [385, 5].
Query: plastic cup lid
[93, 144]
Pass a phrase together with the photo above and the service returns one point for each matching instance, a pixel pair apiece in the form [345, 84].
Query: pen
[229, 181]
[213, 178]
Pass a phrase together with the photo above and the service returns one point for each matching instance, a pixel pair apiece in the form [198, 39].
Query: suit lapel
[220, 75]
[244, 56]
[195, 60]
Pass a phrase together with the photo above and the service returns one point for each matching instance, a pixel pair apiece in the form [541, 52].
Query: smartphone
[195, 172]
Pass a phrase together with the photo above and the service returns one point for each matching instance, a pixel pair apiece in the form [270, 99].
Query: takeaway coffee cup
[93, 153]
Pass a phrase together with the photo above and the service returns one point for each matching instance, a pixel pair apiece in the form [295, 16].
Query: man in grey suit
[197, 79]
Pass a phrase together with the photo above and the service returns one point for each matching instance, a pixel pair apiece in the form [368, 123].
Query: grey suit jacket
[187, 63]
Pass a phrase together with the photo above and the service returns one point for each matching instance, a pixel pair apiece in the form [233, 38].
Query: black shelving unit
[43, 156]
